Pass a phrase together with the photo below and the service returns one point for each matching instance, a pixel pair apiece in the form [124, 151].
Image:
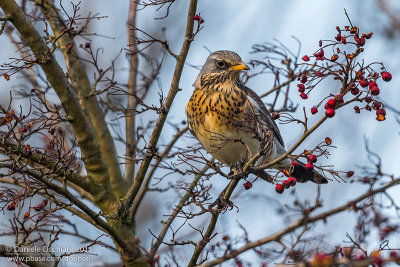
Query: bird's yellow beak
[240, 66]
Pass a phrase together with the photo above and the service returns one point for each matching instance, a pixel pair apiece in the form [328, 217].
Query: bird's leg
[221, 202]
[236, 169]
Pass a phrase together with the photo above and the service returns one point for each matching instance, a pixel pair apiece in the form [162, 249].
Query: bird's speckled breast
[219, 119]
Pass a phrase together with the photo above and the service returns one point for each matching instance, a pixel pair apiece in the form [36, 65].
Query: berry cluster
[291, 181]
[353, 255]
[349, 71]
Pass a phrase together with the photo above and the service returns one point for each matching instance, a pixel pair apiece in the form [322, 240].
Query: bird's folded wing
[263, 113]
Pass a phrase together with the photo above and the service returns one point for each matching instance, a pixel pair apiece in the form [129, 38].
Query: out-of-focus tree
[60, 156]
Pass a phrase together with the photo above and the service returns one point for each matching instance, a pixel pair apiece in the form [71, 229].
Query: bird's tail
[302, 175]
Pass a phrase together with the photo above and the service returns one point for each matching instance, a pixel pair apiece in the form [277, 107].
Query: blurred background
[237, 25]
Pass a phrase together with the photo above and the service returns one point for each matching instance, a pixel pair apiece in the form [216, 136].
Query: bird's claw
[221, 202]
[235, 170]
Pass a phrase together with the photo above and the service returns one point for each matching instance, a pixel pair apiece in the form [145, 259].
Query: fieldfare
[231, 121]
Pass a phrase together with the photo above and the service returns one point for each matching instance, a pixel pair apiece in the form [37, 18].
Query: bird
[231, 121]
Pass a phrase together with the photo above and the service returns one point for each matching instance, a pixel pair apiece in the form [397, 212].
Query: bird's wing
[263, 113]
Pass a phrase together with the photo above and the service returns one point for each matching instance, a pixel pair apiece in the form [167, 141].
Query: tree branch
[145, 186]
[6, 251]
[81, 85]
[91, 154]
[133, 190]
[132, 103]
[177, 209]
[299, 223]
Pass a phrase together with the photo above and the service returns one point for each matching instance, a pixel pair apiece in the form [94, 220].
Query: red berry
[330, 112]
[349, 174]
[320, 53]
[386, 76]
[331, 103]
[38, 207]
[199, 19]
[302, 88]
[363, 83]
[381, 111]
[375, 90]
[368, 99]
[312, 158]
[393, 254]
[292, 181]
[372, 84]
[11, 206]
[339, 99]
[326, 106]
[309, 167]
[279, 188]
[377, 104]
[338, 37]
[355, 91]
[380, 117]
[360, 257]
[275, 116]
[303, 78]
[377, 260]
[303, 96]
[286, 184]
[361, 41]
[286, 172]
[314, 110]
[305, 58]
[319, 74]
[295, 163]
[247, 185]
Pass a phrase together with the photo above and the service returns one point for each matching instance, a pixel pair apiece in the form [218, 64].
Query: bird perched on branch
[231, 121]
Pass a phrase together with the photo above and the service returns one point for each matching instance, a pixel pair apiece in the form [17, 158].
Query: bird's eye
[220, 63]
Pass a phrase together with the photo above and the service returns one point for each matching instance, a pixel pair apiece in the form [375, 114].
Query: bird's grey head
[221, 66]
